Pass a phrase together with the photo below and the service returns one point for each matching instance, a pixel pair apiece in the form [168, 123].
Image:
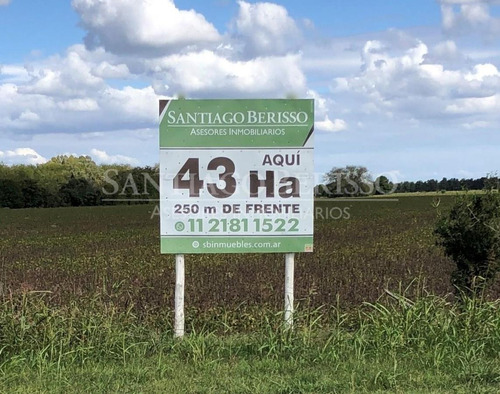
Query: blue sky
[410, 89]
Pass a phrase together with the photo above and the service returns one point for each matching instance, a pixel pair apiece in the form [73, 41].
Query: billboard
[236, 176]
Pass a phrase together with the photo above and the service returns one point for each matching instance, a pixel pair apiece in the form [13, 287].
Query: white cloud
[130, 105]
[471, 16]
[482, 71]
[69, 94]
[29, 116]
[80, 104]
[206, 73]
[68, 76]
[266, 29]
[445, 52]
[323, 107]
[13, 73]
[142, 26]
[102, 157]
[22, 156]
[407, 85]
[329, 125]
[4, 2]
[321, 104]
[479, 124]
[474, 106]
[105, 110]
[107, 70]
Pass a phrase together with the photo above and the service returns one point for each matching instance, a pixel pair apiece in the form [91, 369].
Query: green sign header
[236, 123]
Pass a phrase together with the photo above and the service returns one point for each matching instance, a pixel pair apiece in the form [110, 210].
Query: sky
[410, 89]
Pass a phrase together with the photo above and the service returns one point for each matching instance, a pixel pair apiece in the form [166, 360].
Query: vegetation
[470, 235]
[86, 305]
[452, 184]
[360, 248]
[79, 181]
[350, 181]
[86, 299]
[355, 181]
[74, 181]
[425, 345]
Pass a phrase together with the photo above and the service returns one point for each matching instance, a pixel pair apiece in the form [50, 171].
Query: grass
[86, 305]
[397, 345]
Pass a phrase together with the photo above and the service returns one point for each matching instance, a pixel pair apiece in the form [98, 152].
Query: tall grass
[394, 343]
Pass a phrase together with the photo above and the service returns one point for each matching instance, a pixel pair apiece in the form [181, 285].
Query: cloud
[4, 2]
[78, 105]
[70, 94]
[13, 73]
[266, 29]
[21, 156]
[470, 16]
[407, 85]
[102, 157]
[142, 26]
[482, 105]
[207, 74]
[479, 124]
[329, 125]
[446, 53]
[70, 76]
[106, 70]
[106, 109]
[321, 104]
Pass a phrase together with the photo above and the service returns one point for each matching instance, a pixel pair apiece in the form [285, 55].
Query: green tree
[11, 194]
[492, 182]
[470, 235]
[79, 192]
[349, 181]
[383, 185]
[34, 196]
[60, 169]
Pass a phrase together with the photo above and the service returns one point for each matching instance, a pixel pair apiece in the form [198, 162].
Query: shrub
[470, 235]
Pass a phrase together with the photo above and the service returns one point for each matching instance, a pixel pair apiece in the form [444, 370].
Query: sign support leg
[179, 296]
[289, 274]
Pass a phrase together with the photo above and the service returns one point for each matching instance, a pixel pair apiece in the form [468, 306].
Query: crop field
[360, 249]
[85, 286]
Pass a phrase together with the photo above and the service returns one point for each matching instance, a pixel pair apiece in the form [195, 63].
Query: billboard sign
[236, 176]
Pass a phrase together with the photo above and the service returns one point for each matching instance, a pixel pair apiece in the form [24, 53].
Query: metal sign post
[289, 274]
[179, 296]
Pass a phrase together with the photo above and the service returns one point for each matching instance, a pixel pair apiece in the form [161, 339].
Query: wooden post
[289, 273]
[179, 296]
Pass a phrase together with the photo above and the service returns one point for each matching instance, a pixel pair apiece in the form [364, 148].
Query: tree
[321, 190]
[79, 192]
[34, 196]
[383, 185]
[60, 169]
[492, 182]
[470, 235]
[11, 194]
[349, 181]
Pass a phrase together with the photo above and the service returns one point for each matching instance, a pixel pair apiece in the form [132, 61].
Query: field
[86, 296]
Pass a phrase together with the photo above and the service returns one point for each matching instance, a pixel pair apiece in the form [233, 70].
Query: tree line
[355, 181]
[79, 181]
[75, 181]
[445, 184]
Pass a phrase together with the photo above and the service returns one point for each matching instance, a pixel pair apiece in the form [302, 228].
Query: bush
[470, 235]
